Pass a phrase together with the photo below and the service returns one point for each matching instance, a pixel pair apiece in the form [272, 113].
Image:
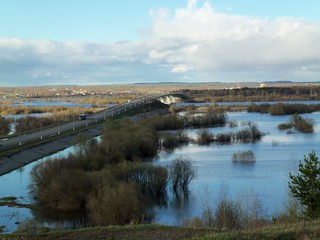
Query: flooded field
[276, 155]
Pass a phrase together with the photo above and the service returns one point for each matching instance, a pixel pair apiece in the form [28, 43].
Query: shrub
[245, 213]
[252, 211]
[91, 155]
[233, 123]
[292, 211]
[125, 140]
[118, 205]
[304, 125]
[249, 134]
[227, 213]
[205, 137]
[175, 122]
[244, 157]
[171, 141]
[4, 126]
[284, 126]
[301, 124]
[151, 179]
[277, 109]
[212, 118]
[168, 122]
[59, 186]
[261, 108]
[224, 137]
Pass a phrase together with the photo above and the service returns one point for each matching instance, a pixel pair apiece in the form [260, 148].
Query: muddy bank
[24, 157]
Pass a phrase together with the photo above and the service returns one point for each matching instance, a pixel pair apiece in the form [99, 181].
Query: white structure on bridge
[169, 99]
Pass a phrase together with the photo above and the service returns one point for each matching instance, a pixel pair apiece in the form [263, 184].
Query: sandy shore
[20, 159]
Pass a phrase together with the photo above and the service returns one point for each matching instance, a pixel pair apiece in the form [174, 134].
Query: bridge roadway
[47, 133]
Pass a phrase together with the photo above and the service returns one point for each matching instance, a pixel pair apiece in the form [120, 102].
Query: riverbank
[297, 230]
[26, 156]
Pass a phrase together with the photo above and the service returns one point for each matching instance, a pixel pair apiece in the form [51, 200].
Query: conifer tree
[305, 186]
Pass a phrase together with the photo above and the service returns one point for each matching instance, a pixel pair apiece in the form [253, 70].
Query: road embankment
[26, 156]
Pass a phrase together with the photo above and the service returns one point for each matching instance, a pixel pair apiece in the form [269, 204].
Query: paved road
[59, 129]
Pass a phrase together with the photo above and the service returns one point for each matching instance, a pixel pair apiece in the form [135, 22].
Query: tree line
[111, 180]
[292, 93]
[4, 126]
[283, 108]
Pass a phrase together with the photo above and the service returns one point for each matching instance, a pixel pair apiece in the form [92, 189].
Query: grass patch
[298, 230]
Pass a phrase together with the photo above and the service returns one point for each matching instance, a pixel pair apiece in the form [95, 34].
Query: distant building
[263, 85]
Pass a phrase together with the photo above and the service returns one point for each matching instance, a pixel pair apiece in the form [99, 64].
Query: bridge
[170, 99]
[41, 135]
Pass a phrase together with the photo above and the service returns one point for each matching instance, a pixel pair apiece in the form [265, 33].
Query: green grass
[300, 230]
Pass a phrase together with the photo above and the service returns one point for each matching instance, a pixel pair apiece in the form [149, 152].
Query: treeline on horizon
[292, 93]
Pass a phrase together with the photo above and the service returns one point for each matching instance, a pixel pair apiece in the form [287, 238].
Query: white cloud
[195, 40]
[218, 41]
[180, 69]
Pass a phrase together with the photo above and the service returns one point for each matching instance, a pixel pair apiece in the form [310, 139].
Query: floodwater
[276, 154]
[16, 184]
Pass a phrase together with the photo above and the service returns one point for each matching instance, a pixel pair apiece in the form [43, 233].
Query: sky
[56, 42]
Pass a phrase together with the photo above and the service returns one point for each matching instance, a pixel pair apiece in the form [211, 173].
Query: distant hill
[177, 83]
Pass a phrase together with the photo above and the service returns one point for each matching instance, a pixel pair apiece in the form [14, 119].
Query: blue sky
[126, 41]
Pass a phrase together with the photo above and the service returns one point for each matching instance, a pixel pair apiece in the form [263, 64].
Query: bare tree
[181, 173]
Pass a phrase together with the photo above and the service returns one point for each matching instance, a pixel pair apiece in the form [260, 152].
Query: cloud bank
[194, 43]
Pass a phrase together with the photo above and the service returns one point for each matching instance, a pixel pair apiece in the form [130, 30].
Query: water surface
[276, 154]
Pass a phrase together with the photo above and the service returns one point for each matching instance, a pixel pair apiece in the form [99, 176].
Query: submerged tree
[181, 174]
[305, 186]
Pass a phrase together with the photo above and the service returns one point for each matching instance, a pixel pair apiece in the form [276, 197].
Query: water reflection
[276, 155]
